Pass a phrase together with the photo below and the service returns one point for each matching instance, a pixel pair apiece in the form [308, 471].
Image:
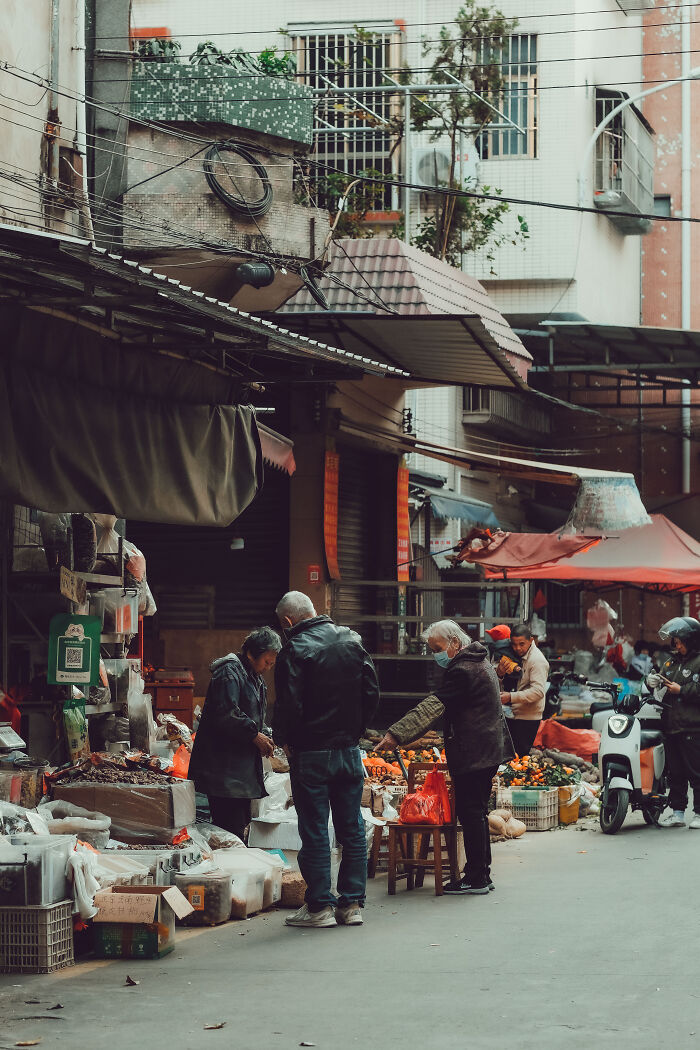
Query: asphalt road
[587, 941]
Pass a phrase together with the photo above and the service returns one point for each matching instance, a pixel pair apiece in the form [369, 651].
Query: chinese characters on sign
[330, 514]
[74, 650]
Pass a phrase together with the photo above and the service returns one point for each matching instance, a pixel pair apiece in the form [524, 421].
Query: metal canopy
[665, 355]
[451, 350]
[134, 306]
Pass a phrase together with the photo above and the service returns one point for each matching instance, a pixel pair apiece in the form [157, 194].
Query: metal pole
[5, 537]
[686, 254]
[407, 164]
[53, 91]
[461, 186]
[80, 116]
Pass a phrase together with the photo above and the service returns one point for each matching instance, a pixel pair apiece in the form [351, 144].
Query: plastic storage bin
[538, 808]
[248, 876]
[209, 893]
[36, 939]
[33, 870]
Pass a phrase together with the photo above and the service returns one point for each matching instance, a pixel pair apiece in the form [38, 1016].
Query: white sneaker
[352, 914]
[695, 822]
[312, 919]
[672, 821]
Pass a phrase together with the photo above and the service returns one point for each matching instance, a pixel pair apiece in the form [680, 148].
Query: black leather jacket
[326, 686]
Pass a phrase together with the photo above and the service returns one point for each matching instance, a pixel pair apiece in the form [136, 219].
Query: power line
[345, 25]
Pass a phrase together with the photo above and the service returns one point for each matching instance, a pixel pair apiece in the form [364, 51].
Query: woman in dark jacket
[226, 762]
[476, 740]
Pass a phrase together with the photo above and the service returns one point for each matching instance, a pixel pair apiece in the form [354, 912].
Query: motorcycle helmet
[686, 628]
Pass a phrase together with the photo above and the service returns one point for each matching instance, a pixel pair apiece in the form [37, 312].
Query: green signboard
[74, 650]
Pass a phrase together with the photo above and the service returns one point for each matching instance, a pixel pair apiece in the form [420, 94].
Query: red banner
[330, 514]
[403, 526]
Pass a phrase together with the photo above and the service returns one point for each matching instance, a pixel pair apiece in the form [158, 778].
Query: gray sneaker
[695, 822]
[312, 919]
[672, 821]
[349, 916]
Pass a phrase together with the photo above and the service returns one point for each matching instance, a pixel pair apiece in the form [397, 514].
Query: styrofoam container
[43, 859]
[115, 869]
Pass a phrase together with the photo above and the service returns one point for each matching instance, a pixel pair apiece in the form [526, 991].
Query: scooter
[630, 728]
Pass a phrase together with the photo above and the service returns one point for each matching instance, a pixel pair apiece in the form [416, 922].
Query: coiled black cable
[237, 204]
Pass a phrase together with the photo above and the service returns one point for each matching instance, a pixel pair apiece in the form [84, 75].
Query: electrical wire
[330, 27]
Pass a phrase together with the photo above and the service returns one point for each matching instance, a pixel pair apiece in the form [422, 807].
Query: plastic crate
[538, 808]
[36, 939]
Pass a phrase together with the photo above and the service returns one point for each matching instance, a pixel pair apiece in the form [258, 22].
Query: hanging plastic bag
[76, 726]
[435, 784]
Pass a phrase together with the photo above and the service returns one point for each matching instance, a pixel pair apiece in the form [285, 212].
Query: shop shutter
[354, 537]
[200, 580]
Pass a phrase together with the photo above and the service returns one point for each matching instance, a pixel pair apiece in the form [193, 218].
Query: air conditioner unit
[431, 165]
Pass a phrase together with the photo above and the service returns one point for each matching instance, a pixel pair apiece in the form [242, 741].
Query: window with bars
[624, 159]
[351, 133]
[518, 100]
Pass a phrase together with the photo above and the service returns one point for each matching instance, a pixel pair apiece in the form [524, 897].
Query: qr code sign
[74, 657]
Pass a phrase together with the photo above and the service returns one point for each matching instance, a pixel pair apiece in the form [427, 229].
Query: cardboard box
[139, 812]
[137, 922]
[271, 833]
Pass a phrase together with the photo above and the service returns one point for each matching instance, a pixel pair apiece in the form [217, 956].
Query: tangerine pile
[533, 772]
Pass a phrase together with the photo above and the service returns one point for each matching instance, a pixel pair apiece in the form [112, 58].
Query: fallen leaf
[583, 851]
[32, 1002]
[212, 1027]
[29, 1042]
[58, 1006]
[307, 1044]
[131, 983]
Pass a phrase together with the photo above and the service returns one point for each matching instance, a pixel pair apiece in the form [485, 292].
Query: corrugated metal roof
[408, 281]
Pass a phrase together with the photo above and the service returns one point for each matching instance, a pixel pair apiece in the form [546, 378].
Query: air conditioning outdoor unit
[431, 165]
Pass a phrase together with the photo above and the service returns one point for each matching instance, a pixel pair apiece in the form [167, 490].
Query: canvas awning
[658, 555]
[445, 505]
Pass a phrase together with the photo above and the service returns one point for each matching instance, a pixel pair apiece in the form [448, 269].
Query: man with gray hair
[326, 695]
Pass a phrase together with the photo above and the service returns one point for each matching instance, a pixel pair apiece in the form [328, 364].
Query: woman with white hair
[476, 740]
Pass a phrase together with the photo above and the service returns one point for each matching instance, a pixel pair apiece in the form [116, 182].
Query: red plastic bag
[420, 808]
[435, 784]
[181, 763]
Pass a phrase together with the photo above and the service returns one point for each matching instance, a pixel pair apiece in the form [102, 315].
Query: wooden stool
[376, 851]
[405, 862]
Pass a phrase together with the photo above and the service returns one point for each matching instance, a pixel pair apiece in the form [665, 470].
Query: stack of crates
[36, 939]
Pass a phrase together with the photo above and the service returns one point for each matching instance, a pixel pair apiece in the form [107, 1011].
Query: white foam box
[266, 833]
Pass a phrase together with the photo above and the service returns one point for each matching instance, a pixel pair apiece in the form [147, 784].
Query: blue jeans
[326, 782]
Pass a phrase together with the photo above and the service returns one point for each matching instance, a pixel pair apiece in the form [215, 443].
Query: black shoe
[464, 886]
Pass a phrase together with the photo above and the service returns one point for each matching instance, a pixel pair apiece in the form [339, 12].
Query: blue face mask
[442, 659]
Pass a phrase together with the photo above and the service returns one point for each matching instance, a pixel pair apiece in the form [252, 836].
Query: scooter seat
[651, 737]
[601, 705]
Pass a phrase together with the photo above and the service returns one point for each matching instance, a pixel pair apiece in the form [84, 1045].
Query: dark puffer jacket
[225, 762]
[326, 686]
[681, 714]
[476, 736]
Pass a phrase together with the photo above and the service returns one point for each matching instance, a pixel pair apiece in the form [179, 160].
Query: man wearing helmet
[678, 683]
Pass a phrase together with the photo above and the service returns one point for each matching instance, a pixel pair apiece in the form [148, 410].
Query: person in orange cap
[503, 657]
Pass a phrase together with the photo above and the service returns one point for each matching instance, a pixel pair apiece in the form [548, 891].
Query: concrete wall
[25, 31]
[179, 203]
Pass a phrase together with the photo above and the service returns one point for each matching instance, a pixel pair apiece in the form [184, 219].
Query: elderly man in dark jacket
[226, 762]
[327, 693]
[476, 740]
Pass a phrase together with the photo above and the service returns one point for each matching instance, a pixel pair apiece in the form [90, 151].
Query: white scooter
[632, 726]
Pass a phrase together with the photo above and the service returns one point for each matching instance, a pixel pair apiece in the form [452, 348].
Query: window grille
[354, 63]
[518, 100]
[624, 160]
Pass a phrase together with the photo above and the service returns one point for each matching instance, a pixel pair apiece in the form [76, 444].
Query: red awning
[278, 451]
[512, 551]
[658, 555]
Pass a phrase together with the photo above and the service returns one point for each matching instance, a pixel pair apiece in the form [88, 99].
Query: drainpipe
[80, 116]
[52, 120]
[407, 164]
[686, 258]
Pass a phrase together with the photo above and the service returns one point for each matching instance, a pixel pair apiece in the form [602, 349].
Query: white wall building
[564, 71]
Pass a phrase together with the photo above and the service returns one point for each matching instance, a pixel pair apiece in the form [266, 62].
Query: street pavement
[588, 941]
